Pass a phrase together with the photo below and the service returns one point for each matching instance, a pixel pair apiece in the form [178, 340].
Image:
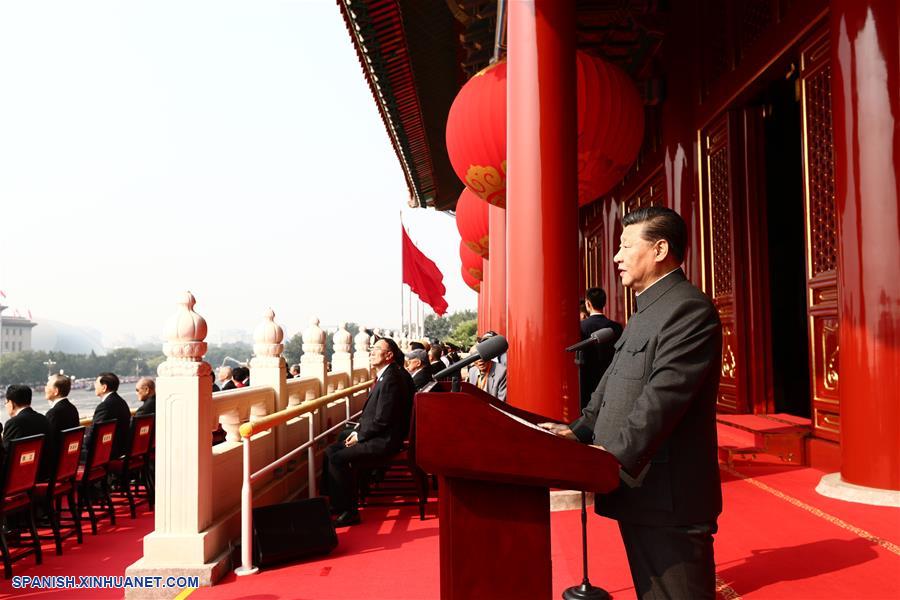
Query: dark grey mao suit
[655, 408]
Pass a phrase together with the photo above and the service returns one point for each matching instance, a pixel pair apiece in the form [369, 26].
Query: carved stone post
[341, 359]
[179, 543]
[312, 363]
[361, 356]
[267, 367]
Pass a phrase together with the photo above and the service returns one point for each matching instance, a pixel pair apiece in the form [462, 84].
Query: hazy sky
[231, 148]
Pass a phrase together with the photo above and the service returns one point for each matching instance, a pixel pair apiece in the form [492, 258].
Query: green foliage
[293, 350]
[240, 351]
[29, 368]
[436, 328]
[442, 328]
[464, 334]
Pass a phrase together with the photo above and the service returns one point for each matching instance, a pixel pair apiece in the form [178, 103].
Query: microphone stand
[585, 591]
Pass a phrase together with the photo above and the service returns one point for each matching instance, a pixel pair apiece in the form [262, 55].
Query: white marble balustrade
[198, 503]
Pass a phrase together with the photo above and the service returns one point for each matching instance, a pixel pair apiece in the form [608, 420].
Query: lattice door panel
[821, 235]
[719, 206]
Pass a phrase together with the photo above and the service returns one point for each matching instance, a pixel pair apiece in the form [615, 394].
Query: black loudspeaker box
[292, 531]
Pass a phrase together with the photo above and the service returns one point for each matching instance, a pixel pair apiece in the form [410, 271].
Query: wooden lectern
[495, 473]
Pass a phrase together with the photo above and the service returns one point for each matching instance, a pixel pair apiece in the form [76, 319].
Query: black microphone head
[492, 347]
[604, 335]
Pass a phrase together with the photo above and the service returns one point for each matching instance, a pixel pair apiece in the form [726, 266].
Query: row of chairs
[21, 492]
[383, 481]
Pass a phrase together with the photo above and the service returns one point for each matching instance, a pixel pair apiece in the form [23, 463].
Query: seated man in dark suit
[24, 421]
[226, 376]
[62, 415]
[111, 407]
[418, 367]
[146, 393]
[435, 365]
[596, 358]
[383, 426]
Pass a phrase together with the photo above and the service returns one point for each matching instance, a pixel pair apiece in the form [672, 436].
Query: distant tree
[240, 351]
[464, 334]
[23, 368]
[441, 327]
[293, 350]
[153, 364]
[436, 328]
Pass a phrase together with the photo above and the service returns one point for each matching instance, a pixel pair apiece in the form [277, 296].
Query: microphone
[489, 349]
[601, 336]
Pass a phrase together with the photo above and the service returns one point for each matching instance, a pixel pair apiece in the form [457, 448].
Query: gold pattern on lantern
[488, 183]
[480, 247]
[484, 242]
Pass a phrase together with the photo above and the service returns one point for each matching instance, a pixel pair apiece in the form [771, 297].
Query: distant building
[15, 332]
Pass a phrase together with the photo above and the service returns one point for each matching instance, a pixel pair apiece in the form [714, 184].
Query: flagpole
[421, 319]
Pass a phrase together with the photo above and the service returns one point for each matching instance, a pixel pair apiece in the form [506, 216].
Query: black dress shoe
[347, 518]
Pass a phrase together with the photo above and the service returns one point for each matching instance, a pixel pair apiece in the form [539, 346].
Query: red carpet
[777, 539]
[107, 553]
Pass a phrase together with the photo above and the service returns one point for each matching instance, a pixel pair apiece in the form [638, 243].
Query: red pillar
[480, 312]
[484, 296]
[496, 270]
[866, 120]
[542, 207]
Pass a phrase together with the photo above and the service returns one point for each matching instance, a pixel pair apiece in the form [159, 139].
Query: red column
[480, 312]
[542, 207]
[484, 308]
[866, 120]
[496, 270]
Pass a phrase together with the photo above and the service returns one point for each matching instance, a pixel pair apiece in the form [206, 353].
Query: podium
[494, 473]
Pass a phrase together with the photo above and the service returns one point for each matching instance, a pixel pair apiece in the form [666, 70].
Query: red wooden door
[721, 204]
[821, 235]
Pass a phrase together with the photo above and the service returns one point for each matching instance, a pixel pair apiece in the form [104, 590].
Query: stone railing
[198, 486]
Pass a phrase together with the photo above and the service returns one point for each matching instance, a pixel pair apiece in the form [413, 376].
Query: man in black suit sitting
[111, 407]
[595, 358]
[383, 426]
[418, 367]
[434, 357]
[62, 415]
[146, 393]
[226, 376]
[24, 421]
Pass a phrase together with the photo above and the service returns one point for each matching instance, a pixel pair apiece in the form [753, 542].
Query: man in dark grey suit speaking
[654, 410]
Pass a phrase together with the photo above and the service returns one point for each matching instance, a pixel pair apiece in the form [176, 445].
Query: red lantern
[472, 221]
[476, 134]
[470, 281]
[471, 262]
[610, 129]
[610, 126]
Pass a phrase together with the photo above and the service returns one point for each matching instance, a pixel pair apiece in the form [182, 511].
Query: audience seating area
[385, 482]
[56, 505]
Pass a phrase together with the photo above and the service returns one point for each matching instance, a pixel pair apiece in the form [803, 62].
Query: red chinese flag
[422, 276]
